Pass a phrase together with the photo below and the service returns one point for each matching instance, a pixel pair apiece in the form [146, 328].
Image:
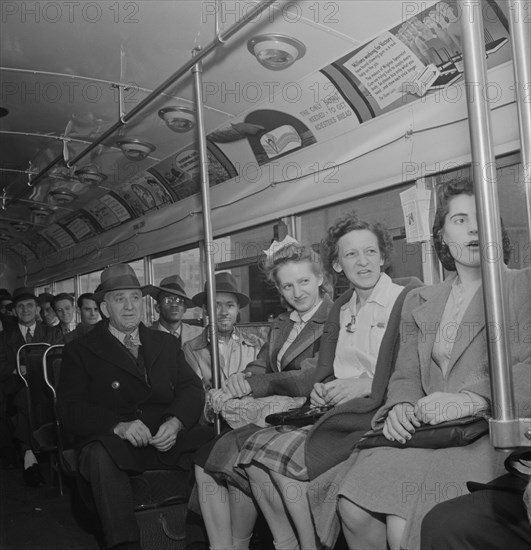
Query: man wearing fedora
[129, 401]
[28, 329]
[236, 350]
[171, 304]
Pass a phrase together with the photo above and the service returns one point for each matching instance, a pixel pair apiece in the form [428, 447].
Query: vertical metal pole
[484, 173]
[521, 42]
[207, 228]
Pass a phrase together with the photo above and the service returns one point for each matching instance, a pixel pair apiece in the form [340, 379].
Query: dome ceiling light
[90, 175]
[62, 196]
[135, 149]
[276, 51]
[20, 227]
[178, 119]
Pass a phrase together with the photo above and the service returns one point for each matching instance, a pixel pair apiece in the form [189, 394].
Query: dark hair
[62, 296]
[445, 192]
[295, 252]
[351, 222]
[85, 296]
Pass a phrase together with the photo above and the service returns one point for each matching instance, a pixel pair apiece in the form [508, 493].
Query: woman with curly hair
[272, 462]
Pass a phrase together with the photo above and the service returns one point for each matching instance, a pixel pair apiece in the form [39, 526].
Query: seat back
[51, 368]
[41, 417]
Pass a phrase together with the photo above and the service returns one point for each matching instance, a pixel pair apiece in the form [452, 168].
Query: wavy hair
[445, 192]
[351, 222]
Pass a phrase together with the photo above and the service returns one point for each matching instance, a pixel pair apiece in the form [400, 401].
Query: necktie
[131, 346]
[29, 337]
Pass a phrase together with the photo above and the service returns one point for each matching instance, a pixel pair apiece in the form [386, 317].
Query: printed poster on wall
[417, 57]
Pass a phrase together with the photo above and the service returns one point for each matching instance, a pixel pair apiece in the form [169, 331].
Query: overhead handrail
[505, 429]
[249, 15]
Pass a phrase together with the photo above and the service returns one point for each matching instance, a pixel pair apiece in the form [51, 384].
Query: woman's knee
[352, 516]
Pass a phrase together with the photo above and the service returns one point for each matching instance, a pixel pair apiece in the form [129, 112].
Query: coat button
[115, 385]
[139, 412]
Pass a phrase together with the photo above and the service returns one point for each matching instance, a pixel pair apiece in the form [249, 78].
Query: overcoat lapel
[150, 351]
[472, 323]
[306, 337]
[428, 317]
[279, 333]
[104, 345]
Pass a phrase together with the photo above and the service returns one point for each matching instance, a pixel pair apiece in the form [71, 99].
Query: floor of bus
[38, 518]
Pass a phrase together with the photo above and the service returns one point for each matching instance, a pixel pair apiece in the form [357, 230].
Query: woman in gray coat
[441, 374]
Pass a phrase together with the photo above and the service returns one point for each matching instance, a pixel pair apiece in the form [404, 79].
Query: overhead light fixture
[135, 149]
[39, 214]
[62, 196]
[4, 237]
[90, 175]
[20, 227]
[178, 119]
[276, 51]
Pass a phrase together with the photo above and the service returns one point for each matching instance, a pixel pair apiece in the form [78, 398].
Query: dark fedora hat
[23, 293]
[4, 294]
[225, 282]
[170, 285]
[117, 277]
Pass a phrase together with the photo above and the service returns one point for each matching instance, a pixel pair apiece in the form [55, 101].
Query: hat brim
[200, 299]
[21, 297]
[154, 292]
[100, 295]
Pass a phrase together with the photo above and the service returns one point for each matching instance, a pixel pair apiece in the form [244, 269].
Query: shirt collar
[121, 335]
[24, 329]
[296, 317]
[380, 293]
[176, 333]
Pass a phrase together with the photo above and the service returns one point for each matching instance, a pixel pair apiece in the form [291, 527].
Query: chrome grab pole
[504, 425]
[521, 42]
[197, 72]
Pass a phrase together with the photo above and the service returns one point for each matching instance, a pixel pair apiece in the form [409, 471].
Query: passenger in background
[171, 304]
[89, 314]
[441, 374]
[47, 313]
[28, 330]
[5, 300]
[129, 402]
[281, 369]
[63, 305]
[236, 350]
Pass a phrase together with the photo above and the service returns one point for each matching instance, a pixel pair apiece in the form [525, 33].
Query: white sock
[241, 544]
[290, 543]
[29, 459]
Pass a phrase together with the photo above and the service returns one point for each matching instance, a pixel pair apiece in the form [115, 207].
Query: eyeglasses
[167, 300]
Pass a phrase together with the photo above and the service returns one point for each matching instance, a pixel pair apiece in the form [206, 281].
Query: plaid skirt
[279, 449]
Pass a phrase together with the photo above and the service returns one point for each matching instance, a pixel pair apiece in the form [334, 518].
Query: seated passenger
[48, 315]
[280, 368]
[171, 304]
[27, 330]
[89, 314]
[441, 374]
[129, 401]
[495, 515]
[236, 350]
[63, 305]
[274, 459]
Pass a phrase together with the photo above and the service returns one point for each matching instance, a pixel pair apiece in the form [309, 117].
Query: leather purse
[303, 416]
[454, 433]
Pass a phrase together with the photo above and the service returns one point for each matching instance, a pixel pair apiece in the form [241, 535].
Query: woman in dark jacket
[283, 367]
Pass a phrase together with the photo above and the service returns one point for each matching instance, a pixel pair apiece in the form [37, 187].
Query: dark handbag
[303, 416]
[454, 433]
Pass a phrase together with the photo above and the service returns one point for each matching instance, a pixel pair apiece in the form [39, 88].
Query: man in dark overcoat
[130, 402]
[26, 330]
